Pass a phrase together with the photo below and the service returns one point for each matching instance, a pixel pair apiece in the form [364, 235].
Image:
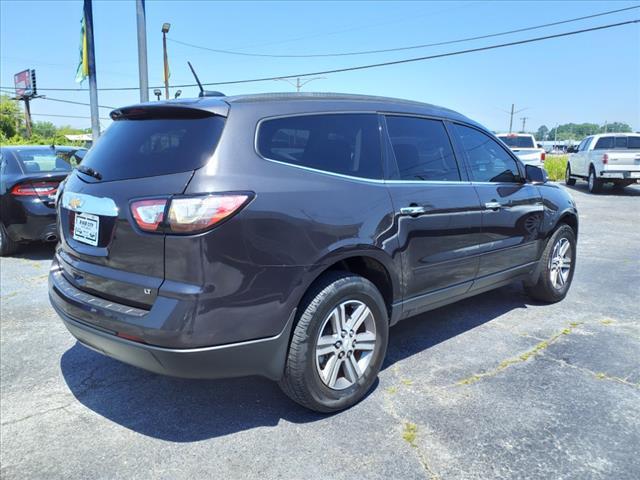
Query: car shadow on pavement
[607, 190]
[181, 410]
[36, 251]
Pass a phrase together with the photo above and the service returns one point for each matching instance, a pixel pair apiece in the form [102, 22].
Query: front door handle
[412, 210]
[493, 205]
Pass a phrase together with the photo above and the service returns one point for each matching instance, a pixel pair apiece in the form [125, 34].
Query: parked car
[29, 178]
[607, 158]
[282, 235]
[524, 146]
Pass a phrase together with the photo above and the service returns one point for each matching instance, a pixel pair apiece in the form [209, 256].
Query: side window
[488, 161]
[583, 145]
[348, 144]
[422, 149]
[587, 143]
[604, 143]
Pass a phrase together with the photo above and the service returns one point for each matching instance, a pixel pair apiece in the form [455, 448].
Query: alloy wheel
[560, 263]
[345, 344]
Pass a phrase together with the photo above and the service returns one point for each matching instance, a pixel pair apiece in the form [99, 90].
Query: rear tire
[556, 267]
[339, 378]
[595, 184]
[7, 246]
[568, 179]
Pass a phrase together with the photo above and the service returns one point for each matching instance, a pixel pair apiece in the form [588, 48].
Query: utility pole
[524, 121]
[511, 114]
[511, 118]
[91, 59]
[298, 84]
[143, 70]
[165, 30]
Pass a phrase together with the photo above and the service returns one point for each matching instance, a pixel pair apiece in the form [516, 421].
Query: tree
[542, 132]
[615, 127]
[44, 129]
[10, 117]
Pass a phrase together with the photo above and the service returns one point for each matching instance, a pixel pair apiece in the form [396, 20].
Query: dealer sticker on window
[86, 228]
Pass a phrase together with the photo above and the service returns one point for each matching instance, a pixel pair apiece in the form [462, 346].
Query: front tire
[568, 179]
[595, 184]
[557, 265]
[338, 344]
[7, 246]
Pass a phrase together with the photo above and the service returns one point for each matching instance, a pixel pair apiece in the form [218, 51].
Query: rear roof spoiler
[183, 108]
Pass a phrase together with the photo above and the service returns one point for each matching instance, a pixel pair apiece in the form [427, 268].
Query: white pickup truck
[609, 157]
[524, 146]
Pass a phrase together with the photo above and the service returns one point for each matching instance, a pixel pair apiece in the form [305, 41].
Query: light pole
[143, 71]
[165, 30]
[298, 84]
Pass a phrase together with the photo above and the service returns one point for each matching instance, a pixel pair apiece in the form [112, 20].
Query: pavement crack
[409, 429]
[598, 375]
[536, 350]
[37, 414]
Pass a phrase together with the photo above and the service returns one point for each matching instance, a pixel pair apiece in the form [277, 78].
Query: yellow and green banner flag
[83, 67]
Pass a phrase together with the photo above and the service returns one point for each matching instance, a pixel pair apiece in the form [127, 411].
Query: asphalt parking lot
[496, 386]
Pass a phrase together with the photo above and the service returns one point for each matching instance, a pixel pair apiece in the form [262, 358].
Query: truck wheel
[568, 179]
[557, 265]
[338, 344]
[595, 184]
[7, 246]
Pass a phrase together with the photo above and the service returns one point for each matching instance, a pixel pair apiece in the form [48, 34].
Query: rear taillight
[149, 214]
[186, 214]
[543, 156]
[40, 189]
[605, 159]
[195, 214]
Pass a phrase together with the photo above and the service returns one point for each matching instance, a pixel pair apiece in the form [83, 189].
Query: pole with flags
[87, 66]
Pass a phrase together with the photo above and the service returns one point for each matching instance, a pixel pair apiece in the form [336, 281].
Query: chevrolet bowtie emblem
[75, 203]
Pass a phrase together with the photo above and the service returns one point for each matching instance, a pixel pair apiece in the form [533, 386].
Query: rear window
[37, 160]
[622, 142]
[348, 144]
[516, 141]
[132, 148]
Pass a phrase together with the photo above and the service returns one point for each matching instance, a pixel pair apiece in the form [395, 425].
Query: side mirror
[535, 174]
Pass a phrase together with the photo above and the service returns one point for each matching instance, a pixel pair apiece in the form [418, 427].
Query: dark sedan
[29, 179]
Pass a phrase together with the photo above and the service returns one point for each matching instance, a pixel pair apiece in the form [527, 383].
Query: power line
[373, 65]
[64, 101]
[398, 49]
[65, 116]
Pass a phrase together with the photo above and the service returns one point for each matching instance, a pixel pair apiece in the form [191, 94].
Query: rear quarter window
[347, 144]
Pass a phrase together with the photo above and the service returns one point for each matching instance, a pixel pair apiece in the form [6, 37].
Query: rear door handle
[412, 210]
[493, 205]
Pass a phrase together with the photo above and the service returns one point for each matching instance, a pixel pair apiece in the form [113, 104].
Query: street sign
[22, 82]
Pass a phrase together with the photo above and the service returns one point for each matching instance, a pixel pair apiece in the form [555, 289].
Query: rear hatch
[147, 155]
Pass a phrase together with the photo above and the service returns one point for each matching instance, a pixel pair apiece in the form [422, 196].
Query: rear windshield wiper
[89, 171]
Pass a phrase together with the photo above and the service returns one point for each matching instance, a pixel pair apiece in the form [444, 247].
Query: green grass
[555, 165]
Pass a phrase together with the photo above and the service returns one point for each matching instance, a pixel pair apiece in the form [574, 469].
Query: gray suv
[282, 235]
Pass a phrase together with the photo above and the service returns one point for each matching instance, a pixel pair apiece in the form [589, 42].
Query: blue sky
[593, 77]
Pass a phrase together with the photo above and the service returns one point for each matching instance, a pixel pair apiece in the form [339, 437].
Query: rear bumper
[264, 357]
[37, 222]
[621, 174]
